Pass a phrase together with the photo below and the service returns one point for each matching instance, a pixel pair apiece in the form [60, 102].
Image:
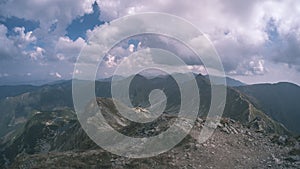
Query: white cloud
[24, 38]
[131, 48]
[16, 47]
[237, 28]
[56, 74]
[47, 13]
[68, 49]
[77, 72]
[249, 67]
[197, 69]
[37, 54]
[111, 61]
[62, 11]
[7, 48]
[258, 66]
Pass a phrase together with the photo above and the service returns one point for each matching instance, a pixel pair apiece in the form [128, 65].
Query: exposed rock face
[58, 141]
[232, 146]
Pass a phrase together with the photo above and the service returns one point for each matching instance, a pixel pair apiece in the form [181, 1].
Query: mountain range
[41, 119]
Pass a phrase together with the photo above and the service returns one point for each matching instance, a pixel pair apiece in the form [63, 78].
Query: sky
[257, 41]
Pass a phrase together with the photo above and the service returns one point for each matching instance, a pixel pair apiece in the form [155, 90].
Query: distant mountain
[14, 111]
[109, 79]
[279, 101]
[230, 82]
[10, 91]
[237, 106]
[233, 82]
[58, 96]
[25, 80]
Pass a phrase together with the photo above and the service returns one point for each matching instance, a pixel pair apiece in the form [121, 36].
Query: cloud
[38, 53]
[258, 66]
[250, 67]
[68, 49]
[17, 46]
[46, 12]
[7, 48]
[131, 47]
[56, 74]
[197, 69]
[252, 37]
[286, 49]
[237, 29]
[53, 18]
[147, 60]
[23, 38]
[111, 61]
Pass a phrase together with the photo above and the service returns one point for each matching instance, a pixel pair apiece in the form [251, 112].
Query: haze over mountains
[39, 119]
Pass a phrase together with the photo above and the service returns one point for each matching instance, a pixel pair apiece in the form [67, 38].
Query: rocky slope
[232, 146]
[56, 140]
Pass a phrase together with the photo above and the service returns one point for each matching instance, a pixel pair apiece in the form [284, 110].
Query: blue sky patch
[80, 25]
[13, 22]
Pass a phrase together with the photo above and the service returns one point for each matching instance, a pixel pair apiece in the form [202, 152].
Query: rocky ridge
[233, 145]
